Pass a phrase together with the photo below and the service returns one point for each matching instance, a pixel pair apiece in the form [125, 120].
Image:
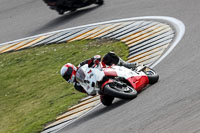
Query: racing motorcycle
[62, 6]
[115, 81]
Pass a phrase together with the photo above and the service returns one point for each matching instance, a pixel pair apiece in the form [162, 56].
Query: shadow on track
[67, 17]
[97, 113]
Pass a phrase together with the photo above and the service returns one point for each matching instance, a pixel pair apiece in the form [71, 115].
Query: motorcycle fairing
[138, 82]
[108, 81]
[87, 79]
[110, 72]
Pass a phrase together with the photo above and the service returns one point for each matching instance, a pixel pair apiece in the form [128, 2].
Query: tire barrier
[149, 39]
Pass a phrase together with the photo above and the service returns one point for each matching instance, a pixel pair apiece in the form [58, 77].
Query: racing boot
[126, 64]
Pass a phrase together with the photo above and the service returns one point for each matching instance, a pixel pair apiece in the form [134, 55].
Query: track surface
[172, 105]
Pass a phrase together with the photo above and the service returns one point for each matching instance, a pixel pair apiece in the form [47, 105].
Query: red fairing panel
[138, 82]
[108, 81]
[110, 72]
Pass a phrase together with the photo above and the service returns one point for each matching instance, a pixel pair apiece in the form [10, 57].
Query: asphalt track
[170, 106]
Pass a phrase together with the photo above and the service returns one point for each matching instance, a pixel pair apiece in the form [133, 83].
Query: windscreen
[80, 75]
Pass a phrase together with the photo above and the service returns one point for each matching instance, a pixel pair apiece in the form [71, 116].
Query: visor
[68, 74]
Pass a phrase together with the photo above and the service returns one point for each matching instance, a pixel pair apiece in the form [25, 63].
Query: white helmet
[68, 72]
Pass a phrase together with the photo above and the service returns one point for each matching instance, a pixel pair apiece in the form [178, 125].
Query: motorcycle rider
[68, 71]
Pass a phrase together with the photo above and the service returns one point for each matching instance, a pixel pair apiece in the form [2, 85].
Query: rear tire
[152, 75]
[125, 92]
[73, 10]
[99, 2]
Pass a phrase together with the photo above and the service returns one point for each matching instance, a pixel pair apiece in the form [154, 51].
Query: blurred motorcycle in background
[62, 6]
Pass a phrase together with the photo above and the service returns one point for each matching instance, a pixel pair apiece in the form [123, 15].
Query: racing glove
[95, 60]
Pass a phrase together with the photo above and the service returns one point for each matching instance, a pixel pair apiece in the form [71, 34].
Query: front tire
[60, 12]
[123, 92]
[106, 100]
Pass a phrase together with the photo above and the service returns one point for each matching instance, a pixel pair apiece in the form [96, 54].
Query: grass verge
[32, 92]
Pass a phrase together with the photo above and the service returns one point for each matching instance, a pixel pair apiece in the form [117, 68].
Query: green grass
[32, 92]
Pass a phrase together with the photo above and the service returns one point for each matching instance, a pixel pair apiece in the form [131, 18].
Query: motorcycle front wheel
[123, 92]
[60, 11]
[106, 100]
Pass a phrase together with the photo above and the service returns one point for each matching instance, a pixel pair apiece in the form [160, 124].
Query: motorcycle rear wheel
[73, 9]
[125, 92]
[152, 75]
[99, 2]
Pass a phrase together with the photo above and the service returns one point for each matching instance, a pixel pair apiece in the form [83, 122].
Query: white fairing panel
[125, 72]
[91, 76]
